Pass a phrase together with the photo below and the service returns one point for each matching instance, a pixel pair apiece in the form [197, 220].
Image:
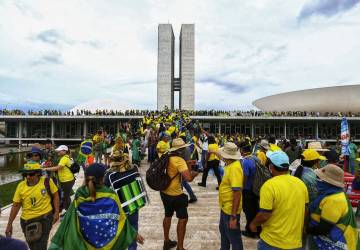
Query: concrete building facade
[165, 69]
[187, 67]
[167, 83]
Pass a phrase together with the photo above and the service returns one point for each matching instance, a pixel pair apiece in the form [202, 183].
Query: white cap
[62, 147]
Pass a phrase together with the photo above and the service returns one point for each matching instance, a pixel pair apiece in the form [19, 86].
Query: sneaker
[168, 244]
[201, 184]
[192, 200]
[249, 234]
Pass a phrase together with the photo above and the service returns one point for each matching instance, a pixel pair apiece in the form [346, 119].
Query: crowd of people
[224, 113]
[292, 192]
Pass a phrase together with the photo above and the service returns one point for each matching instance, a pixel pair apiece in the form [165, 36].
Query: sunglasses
[29, 174]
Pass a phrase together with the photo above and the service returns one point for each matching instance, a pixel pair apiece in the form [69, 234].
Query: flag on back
[99, 224]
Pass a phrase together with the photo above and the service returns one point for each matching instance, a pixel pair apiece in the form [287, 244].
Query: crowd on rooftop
[135, 112]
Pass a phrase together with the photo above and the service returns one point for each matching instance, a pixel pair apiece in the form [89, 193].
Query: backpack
[261, 176]
[74, 167]
[156, 176]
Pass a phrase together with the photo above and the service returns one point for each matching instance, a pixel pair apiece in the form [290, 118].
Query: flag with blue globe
[99, 224]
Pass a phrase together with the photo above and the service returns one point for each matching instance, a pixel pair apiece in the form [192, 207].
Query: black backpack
[261, 176]
[157, 175]
[74, 167]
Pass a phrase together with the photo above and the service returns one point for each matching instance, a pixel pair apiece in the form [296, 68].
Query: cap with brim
[31, 167]
[317, 146]
[230, 151]
[278, 158]
[311, 155]
[35, 150]
[331, 174]
[62, 148]
[178, 143]
[265, 144]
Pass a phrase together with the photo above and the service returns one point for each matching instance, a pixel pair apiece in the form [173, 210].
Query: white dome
[101, 104]
[330, 99]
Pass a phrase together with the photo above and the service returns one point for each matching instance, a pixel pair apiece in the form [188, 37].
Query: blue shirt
[249, 169]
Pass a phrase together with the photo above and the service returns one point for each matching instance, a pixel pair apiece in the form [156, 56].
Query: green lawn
[7, 192]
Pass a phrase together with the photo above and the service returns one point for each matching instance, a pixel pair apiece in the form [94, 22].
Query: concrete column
[252, 130]
[317, 130]
[20, 128]
[52, 130]
[118, 126]
[285, 129]
[85, 130]
[219, 128]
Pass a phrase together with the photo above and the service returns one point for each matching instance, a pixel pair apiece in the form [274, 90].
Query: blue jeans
[189, 190]
[230, 237]
[134, 222]
[352, 163]
[262, 245]
[151, 153]
[203, 158]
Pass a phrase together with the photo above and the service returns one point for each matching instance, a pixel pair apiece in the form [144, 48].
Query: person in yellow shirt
[163, 145]
[283, 200]
[230, 198]
[261, 153]
[173, 198]
[40, 206]
[332, 222]
[212, 161]
[66, 177]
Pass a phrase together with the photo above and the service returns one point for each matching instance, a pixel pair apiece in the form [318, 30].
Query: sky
[79, 53]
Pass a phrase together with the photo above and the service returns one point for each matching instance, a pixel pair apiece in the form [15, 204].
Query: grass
[7, 192]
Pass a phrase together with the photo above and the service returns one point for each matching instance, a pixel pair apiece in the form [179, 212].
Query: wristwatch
[233, 217]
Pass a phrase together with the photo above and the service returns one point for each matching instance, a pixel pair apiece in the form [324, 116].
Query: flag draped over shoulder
[99, 224]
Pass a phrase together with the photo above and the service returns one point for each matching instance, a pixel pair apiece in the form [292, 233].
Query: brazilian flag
[85, 150]
[99, 224]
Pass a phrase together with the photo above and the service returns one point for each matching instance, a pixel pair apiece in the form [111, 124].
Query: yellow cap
[31, 167]
[358, 159]
[312, 154]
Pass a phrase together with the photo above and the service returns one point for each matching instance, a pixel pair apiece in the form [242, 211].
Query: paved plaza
[202, 229]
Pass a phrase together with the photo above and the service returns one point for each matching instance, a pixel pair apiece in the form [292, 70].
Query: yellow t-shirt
[332, 209]
[35, 200]
[97, 138]
[176, 166]
[285, 196]
[64, 172]
[274, 147]
[162, 147]
[262, 157]
[213, 148]
[232, 180]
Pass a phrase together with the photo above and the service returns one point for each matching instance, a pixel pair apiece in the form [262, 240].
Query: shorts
[176, 204]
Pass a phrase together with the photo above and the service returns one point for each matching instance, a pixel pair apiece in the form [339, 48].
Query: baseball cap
[311, 155]
[62, 147]
[278, 158]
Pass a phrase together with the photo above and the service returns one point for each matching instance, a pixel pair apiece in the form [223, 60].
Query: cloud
[51, 36]
[326, 8]
[92, 50]
[53, 58]
[226, 85]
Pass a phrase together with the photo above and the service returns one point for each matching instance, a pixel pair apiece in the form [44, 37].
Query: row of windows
[325, 130]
